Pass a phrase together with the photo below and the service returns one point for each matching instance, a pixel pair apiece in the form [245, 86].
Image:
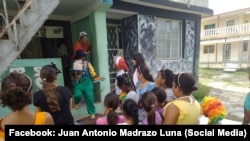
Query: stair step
[28, 18]
[6, 47]
[21, 30]
[42, 7]
[30, 22]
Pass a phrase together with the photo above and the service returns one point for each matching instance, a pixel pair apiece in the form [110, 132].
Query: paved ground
[231, 89]
[87, 120]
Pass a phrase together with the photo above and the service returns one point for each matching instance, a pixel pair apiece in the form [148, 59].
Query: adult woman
[137, 60]
[57, 100]
[185, 109]
[145, 80]
[144, 84]
[16, 93]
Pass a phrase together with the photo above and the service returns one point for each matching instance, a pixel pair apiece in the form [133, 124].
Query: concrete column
[100, 52]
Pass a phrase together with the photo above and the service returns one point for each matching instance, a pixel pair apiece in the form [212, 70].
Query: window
[208, 49]
[168, 38]
[230, 22]
[230, 29]
[209, 26]
[209, 29]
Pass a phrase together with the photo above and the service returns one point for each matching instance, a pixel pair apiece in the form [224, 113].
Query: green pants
[85, 88]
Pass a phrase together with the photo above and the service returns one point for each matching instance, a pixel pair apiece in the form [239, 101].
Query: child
[57, 100]
[121, 67]
[130, 112]
[161, 96]
[16, 93]
[164, 79]
[149, 102]
[111, 103]
[127, 86]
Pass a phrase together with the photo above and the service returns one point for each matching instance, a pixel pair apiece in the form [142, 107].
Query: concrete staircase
[31, 16]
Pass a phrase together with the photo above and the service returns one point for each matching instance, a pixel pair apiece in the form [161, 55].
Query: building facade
[225, 40]
[166, 32]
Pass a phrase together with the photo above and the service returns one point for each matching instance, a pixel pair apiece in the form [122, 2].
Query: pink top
[103, 120]
[135, 78]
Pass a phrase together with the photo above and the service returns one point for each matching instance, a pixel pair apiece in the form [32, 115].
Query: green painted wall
[81, 25]
[95, 26]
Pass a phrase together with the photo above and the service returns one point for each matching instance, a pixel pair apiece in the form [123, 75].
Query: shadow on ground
[88, 120]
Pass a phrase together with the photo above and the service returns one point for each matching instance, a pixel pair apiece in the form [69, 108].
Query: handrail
[226, 31]
[13, 22]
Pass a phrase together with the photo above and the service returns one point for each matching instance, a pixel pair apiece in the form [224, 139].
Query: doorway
[226, 53]
[53, 40]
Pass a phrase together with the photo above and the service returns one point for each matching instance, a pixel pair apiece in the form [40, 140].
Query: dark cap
[79, 54]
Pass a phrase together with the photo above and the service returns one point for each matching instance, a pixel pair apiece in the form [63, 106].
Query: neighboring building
[225, 40]
[166, 32]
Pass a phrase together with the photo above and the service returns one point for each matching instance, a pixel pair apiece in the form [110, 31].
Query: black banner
[31, 132]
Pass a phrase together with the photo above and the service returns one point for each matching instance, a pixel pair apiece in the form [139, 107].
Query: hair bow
[55, 67]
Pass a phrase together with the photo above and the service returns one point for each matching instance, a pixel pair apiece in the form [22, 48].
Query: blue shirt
[247, 102]
[147, 88]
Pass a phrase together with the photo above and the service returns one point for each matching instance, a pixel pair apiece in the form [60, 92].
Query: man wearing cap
[82, 44]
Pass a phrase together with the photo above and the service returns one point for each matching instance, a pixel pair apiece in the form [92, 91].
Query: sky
[222, 6]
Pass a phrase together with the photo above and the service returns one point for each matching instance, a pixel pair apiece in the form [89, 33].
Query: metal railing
[7, 26]
[236, 30]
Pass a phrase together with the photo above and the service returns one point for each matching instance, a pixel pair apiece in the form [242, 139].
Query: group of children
[165, 100]
[177, 88]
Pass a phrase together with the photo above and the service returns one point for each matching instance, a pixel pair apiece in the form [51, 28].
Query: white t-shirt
[133, 95]
[170, 95]
[135, 78]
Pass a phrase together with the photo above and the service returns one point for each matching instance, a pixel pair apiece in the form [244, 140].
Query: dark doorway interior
[43, 46]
